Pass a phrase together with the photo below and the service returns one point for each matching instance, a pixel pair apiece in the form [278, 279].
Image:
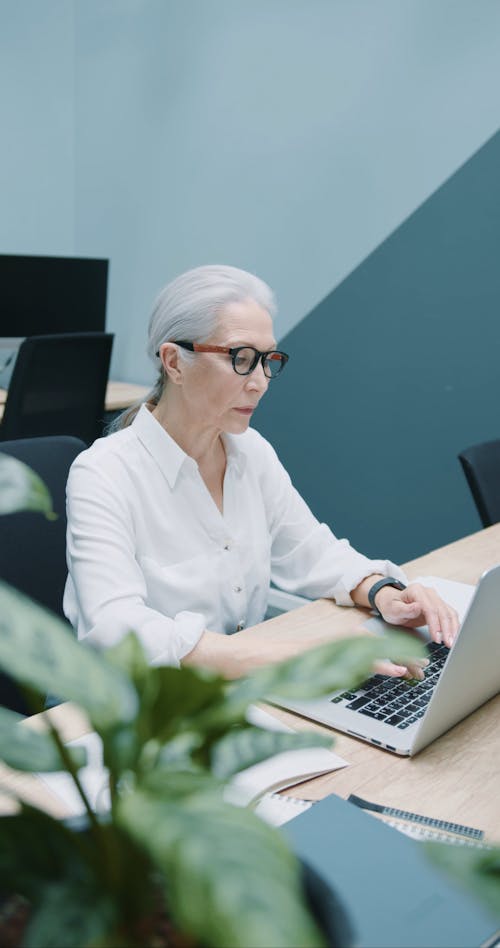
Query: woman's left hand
[418, 605]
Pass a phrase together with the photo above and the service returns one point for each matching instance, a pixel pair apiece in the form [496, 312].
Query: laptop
[403, 716]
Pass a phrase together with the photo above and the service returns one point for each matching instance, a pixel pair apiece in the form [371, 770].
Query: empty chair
[32, 548]
[481, 465]
[58, 387]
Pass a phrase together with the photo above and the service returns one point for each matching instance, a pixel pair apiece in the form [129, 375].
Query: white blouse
[149, 550]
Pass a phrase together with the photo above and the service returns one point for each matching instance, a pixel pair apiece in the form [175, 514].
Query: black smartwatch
[372, 592]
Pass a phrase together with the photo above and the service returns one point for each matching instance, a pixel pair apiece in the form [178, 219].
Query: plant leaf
[247, 746]
[47, 860]
[35, 848]
[176, 753]
[167, 723]
[172, 697]
[476, 870]
[230, 879]
[39, 650]
[26, 749]
[178, 784]
[129, 656]
[22, 489]
[121, 748]
[341, 664]
[69, 913]
[170, 701]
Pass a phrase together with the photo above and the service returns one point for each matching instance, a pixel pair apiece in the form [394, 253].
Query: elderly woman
[178, 521]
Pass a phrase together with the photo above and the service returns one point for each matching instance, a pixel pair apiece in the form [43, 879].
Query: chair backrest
[58, 387]
[481, 465]
[32, 548]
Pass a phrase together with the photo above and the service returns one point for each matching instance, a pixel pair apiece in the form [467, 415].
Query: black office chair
[481, 465]
[32, 548]
[58, 387]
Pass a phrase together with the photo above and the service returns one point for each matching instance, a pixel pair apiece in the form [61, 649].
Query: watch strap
[386, 581]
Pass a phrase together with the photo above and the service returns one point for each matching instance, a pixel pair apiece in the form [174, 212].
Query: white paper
[281, 771]
[277, 809]
[93, 778]
[268, 722]
[277, 772]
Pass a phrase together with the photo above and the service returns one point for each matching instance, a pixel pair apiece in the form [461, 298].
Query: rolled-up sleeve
[105, 595]
[306, 557]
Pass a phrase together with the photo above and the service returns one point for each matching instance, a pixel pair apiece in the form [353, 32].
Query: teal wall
[396, 371]
[301, 139]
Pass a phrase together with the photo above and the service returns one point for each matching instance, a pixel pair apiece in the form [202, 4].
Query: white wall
[37, 126]
[286, 136]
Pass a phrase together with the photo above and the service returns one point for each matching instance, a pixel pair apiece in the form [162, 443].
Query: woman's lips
[245, 411]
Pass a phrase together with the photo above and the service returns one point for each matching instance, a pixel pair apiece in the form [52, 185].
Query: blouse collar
[167, 453]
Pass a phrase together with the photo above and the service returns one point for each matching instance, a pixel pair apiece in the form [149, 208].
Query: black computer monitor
[43, 295]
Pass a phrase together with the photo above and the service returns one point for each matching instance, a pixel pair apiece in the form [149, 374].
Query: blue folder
[394, 896]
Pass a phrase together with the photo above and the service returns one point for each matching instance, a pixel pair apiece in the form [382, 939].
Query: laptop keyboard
[397, 701]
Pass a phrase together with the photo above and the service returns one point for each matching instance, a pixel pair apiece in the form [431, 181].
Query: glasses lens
[244, 360]
[274, 363]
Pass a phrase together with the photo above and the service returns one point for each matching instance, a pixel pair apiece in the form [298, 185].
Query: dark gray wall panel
[397, 370]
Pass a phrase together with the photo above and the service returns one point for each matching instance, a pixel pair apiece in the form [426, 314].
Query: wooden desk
[456, 778]
[119, 395]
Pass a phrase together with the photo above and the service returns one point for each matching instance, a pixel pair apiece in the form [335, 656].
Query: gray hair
[188, 308]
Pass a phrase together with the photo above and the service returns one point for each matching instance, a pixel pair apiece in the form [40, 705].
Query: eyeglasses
[245, 358]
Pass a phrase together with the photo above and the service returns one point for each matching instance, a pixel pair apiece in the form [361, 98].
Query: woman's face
[213, 394]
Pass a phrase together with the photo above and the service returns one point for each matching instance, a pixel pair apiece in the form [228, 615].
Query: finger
[416, 668]
[433, 621]
[385, 667]
[450, 624]
[442, 619]
[443, 624]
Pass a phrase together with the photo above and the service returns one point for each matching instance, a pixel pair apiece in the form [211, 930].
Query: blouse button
[237, 589]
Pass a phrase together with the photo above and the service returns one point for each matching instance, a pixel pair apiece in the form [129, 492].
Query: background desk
[456, 778]
[119, 395]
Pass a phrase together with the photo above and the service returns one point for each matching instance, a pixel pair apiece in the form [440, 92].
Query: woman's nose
[257, 379]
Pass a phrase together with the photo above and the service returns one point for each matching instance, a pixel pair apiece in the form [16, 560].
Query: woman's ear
[171, 362]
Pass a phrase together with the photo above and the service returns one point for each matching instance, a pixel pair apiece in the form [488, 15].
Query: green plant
[171, 738]
[476, 869]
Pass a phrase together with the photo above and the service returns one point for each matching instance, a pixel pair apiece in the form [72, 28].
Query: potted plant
[171, 738]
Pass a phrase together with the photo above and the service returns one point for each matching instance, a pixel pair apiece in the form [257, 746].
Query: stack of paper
[93, 778]
[257, 786]
[254, 786]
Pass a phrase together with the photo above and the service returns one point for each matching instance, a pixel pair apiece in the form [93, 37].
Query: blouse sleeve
[306, 557]
[106, 591]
